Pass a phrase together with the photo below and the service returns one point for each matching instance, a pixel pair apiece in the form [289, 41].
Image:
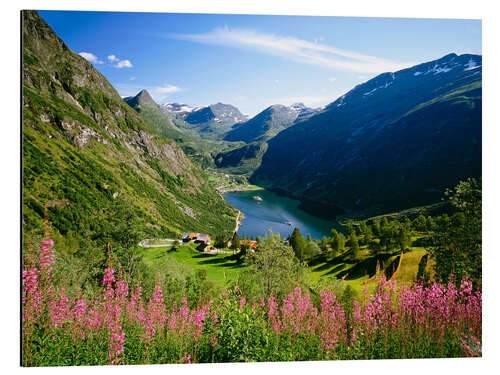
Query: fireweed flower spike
[410, 315]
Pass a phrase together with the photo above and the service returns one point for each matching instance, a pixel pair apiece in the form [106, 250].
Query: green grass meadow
[221, 268]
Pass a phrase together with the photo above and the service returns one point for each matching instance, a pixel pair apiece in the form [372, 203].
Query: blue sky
[254, 61]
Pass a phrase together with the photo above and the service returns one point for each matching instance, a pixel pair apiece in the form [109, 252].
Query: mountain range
[172, 124]
[269, 122]
[395, 141]
[210, 122]
[255, 133]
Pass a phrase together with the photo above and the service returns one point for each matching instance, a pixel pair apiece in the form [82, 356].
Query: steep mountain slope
[395, 141]
[153, 116]
[91, 160]
[172, 126]
[242, 160]
[303, 112]
[255, 132]
[213, 121]
[268, 123]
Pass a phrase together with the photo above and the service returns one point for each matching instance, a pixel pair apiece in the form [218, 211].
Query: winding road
[170, 241]
[237, 221]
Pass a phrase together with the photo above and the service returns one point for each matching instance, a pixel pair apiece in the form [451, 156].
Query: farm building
[203, 238]
[250, 244]
[189, 236]
[196, 237]
[209, 248]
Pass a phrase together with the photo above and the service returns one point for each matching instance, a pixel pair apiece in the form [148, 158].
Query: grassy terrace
[220, 267]
[361, 272]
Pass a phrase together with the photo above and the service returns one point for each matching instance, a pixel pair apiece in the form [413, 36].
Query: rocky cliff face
[79, 137]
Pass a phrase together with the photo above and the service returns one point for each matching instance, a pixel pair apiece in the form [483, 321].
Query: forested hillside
[92, 163]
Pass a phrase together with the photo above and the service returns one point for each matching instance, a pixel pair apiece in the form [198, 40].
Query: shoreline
[241, 188]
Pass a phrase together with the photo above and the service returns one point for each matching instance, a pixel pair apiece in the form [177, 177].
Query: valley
[162, 232]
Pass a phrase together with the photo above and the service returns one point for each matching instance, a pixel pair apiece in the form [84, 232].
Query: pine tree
[384, 223]
[220, 241]
[403, 238]
[430, 224]
[312, 249]
[235, 243]
[353, 241]
[407, 224]
[375, 248]
[420, 223]
[368, 235]
[350, 228]
[298, 244]
[363, 228]
[323, 244]
[376, 228]
[340, 243]
[333, 239]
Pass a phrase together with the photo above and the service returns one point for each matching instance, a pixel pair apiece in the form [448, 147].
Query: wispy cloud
[113, 61]
[299, 50]
[90, 57]
[159, 93]
[119, 63]
[332, 79]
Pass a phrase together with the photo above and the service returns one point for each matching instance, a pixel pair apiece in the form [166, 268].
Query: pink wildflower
[46, 257]
[116, 347]
[214, 341]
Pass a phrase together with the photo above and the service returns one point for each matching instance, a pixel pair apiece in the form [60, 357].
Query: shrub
[121, 326]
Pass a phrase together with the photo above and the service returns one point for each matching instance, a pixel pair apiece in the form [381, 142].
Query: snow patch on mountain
[341, 101]
[384, 86]
[471, 64]
[177, 107]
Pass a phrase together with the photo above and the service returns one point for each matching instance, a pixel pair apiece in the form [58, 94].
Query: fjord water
[273, 212]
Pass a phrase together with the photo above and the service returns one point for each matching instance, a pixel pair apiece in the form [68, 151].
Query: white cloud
[113, 60]
[123, 64]
[167, 89]
[119, 63]
[159, 93]
[90, 57]
[133, 78]
[299, 50]
[332, 79]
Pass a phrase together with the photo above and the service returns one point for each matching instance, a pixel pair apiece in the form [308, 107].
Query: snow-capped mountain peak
[177, 107]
